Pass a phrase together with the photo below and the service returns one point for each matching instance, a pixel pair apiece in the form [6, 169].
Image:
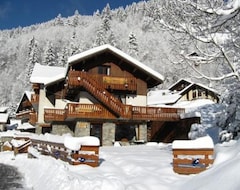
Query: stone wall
[61, 129]
[108, 134]
[142, 132]
[82, 129]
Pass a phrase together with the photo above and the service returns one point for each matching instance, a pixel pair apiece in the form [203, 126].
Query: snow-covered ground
[140, 167]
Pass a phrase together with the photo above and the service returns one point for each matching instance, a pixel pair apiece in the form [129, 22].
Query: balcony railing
[96, 111]
[88, 111]
[54, 115]
[156, 113]
[107, 82]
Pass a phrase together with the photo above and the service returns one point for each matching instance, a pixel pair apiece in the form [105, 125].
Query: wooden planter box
[192, 156]
[184, 160]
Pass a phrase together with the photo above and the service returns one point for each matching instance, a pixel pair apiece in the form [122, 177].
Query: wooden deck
[96, 111]
[109, 106]
[106, 82]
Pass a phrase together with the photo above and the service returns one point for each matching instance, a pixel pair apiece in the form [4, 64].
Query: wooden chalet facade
[26, 108]
[182, 90]
[103, 93]
[192, 91]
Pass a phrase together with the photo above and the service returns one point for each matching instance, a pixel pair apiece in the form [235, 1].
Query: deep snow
[139, 167]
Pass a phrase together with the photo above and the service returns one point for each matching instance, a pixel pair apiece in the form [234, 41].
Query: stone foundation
[82, 129]
[61, 129]
[108, 134]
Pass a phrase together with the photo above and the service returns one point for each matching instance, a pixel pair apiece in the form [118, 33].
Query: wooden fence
[192, 161]
[86, 155]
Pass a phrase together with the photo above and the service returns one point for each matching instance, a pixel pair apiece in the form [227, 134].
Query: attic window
[104, 70]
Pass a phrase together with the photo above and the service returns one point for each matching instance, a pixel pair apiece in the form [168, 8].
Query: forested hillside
[146, 30]
[132, 29]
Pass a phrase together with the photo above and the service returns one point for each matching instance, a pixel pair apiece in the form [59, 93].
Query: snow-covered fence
[192, 156]
[74, 150]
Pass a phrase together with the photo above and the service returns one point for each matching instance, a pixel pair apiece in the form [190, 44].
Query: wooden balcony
[96, 111]
[54, 115]
[156, 113]
[106, 82]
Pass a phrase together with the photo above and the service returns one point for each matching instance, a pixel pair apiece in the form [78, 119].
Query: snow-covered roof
[25, 126]
[202, 142]
[180, 80]
[45, 74]
[4, 117]
[192, 84]
[120, 53]
[159, 97]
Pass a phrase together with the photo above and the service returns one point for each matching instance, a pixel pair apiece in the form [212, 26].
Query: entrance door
[96, 131]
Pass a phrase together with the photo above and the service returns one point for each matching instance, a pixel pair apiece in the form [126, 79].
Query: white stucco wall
[43, 103]
[60, 103]
[136, 100]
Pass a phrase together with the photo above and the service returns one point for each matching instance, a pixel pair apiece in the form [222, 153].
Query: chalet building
[25, 109]
[102, 92]
[182, 90]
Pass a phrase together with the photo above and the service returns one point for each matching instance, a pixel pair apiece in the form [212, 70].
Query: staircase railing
[78, 78]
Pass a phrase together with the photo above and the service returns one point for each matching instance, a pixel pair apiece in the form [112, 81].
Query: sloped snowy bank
[131, 167]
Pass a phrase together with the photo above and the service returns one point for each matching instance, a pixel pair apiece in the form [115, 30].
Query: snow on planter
[75, 143]
[192, 156]
[202, 142]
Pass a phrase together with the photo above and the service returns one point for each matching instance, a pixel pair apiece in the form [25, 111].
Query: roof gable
[180, 85]
[137, 68]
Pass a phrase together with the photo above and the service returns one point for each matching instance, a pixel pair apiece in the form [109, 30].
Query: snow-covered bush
[196, 131]
[229, 121]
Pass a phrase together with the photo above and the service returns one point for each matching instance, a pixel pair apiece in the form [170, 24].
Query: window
[104, 70]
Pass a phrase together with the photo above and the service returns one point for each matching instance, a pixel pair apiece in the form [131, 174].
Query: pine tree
[74, 47]
[132, 45]
[75, 21]
[49, 55]
[63, 55]
[33, 58]
[58, 20]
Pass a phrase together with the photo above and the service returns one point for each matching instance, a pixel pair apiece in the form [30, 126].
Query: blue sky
[14, 13]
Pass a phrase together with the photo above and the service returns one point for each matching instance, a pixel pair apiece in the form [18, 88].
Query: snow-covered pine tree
[75, 21]
[74, 44]
[132, 45]
[58, 21]
[33, 58]
[49, 55]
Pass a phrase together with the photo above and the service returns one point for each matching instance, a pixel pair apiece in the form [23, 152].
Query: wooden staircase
[78, 79]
